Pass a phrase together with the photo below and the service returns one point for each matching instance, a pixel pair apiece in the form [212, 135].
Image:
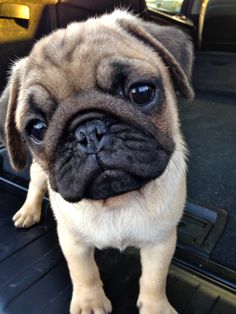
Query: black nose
[89, 135]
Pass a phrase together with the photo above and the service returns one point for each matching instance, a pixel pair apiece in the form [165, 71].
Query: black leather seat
[62, 13]
[219, 28]
[78, 10]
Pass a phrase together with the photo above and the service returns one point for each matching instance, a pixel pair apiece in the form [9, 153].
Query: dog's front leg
[155, 262]
[30, 213]
[88, 294]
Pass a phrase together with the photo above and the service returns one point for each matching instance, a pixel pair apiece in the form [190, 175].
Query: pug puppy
[95, 106]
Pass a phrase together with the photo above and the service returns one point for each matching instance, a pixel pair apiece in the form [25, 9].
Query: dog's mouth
[106, 158]
[91, 181]
[96, 182]
[112, 183]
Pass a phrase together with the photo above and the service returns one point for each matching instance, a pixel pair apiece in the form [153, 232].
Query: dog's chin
[95, 182]
[111, 183]
[105, 185]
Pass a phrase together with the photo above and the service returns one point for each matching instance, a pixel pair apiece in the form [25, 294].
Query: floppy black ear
[11, 136]
[173, 45]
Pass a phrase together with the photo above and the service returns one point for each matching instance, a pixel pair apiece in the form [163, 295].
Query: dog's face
[95, 105]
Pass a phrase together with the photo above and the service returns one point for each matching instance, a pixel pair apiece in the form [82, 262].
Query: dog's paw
[27, 216]
[96, 303]
[147, 306]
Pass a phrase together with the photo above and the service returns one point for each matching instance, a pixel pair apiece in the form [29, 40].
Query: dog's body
[95, 104]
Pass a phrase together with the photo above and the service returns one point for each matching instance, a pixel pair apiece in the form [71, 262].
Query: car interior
[202, 278]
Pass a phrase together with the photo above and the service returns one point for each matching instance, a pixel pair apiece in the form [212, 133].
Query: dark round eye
[141, 94]
[36, 129]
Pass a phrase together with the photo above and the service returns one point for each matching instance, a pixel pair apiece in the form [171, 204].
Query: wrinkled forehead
[86, 55]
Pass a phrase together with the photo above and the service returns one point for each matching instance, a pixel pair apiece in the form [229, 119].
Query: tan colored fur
[66, 63]
[30, 213]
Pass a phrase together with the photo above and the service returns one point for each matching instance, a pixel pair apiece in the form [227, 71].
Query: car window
[168, 6]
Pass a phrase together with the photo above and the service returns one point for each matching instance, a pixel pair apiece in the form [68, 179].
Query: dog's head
[95, 104]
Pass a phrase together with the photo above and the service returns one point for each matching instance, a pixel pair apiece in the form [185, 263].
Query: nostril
[81, 137]
[84, 142]
[99, 134]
